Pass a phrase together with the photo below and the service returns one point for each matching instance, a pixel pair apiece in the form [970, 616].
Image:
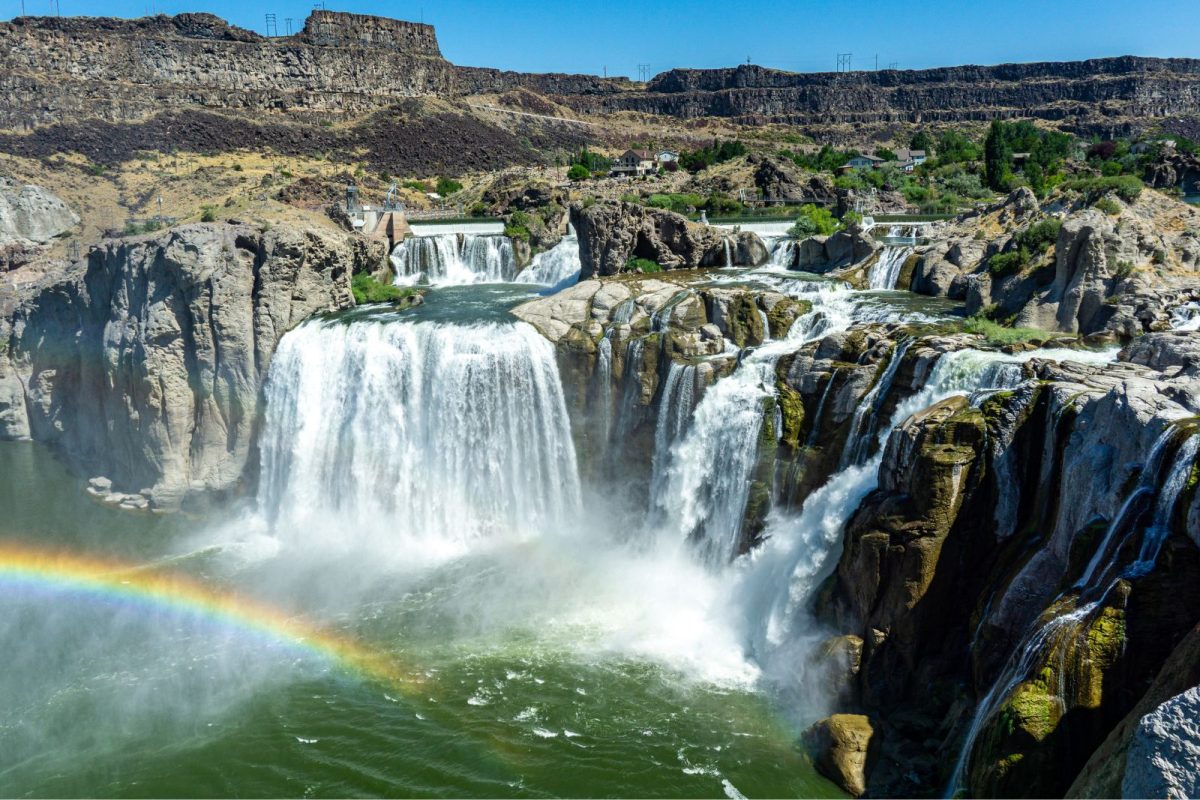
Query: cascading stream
[886, 272]
[558, 267]
[425, 436]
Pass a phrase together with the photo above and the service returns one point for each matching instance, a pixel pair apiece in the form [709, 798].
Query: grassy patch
[368, 290]
[643, 265]
[997, 334]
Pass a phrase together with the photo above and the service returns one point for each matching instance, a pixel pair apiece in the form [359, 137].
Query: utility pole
[287, 21]
[843, 62]
[894, 65]
[643, 72]
[272, 25]
[877, 62]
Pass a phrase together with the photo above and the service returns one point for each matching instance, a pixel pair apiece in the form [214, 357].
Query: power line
[272, 25]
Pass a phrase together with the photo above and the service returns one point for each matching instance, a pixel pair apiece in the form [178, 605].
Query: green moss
[999, 335]
[791, 407]
[643, 265]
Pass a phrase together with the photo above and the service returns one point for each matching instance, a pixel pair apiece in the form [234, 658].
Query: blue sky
[569, 36]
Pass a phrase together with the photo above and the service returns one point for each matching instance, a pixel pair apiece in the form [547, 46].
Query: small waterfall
[674, 413]
[728, 252]
[1019, 666]
[558, 267]
[886, 271]
[1045, 633]
[453, 259]
[708, 483]
[1186, 317]
[416, 437]
[866, 415]
[1168, 496]
[1147, 484]
[602, 385]
[815, 430]
[783, 252]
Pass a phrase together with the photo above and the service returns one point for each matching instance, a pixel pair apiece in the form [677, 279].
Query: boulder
[843, 249]
[840, 746]
[1164, 755]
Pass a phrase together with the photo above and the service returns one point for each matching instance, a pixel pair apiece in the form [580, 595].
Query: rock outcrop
[143, 365]
[613, 232]
[840, 746]
[30, 217]
[1110, 275]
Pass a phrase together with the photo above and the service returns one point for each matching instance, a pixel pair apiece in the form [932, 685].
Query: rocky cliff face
[143, 364]
[1099, 94]
[55, 70]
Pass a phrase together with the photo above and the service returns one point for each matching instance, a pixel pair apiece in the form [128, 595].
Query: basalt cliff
[178, 81]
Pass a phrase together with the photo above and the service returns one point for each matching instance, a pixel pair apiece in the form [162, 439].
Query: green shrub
[237, 167]
[1038, 238]
[447, 186]
[1124, 269]
[718, 203]
[517, 226]
[416, 186]
[368, 290]
[997, 334]
[629, 197]
[208, 213]
[813, 221]
[1127, 187]
[1108, 206]
[96, 169]
[578, 172]
[478, 209]
[1003, 264]
[644, 265]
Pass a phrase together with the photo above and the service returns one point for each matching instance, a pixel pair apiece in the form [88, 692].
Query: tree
[578, 172]
[921, 140]
[1035, 176]
[813, 221]
[447, 186]
[997, 157]
[886, 155]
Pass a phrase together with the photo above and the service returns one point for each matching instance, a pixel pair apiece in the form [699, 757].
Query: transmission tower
[287, 21]
[894, 65]
[272, 25]
[843, 62]
[643, 72]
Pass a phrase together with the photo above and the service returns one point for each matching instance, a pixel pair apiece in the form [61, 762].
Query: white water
[450, 259]
[1186, 317]
[886, 271]
[558, 267]
[419, 437]
[858, 441]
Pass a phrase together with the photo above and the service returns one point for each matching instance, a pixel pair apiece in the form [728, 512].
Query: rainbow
[144, 586]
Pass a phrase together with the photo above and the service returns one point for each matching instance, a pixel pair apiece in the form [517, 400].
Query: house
[910, 158]
[864, 162]
[667, 157]
[635, 162]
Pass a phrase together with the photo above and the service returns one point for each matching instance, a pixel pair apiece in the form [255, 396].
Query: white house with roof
[635, 162]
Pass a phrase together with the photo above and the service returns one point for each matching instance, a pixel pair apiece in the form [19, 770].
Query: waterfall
[416, 437]
[1168, 496]
[706, 487]
[887, 269]
[453, 259]
[866, 415]
[728, 252]
[815, 429]
[783, 252]
[1147, 484]
[801, 549]
[1032, 645]
[1186, 317]
[676, 402]
[558, 267]
[602, 385]
[708, 483]
[1022, 662]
